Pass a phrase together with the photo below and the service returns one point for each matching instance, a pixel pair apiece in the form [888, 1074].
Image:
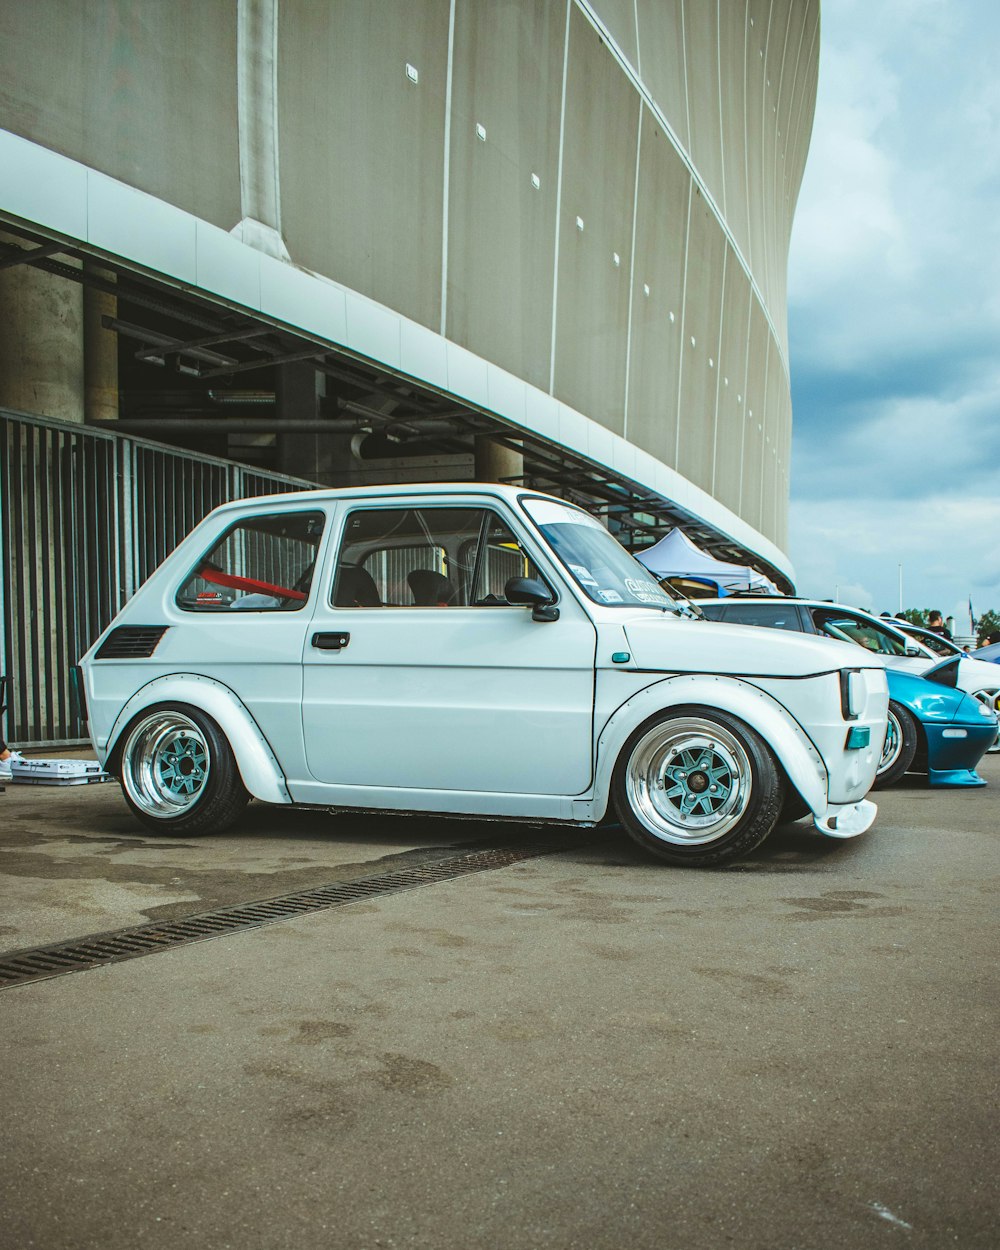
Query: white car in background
[472, 649]
[877, 634]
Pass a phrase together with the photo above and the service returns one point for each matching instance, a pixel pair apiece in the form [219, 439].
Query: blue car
[991, 653]
[934, 728]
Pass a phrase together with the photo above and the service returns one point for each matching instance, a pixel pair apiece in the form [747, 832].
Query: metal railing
[85, 517]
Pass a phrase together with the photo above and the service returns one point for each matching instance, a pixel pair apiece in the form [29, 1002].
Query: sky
[894, 311]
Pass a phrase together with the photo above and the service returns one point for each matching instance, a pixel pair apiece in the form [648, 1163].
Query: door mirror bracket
[532, 592]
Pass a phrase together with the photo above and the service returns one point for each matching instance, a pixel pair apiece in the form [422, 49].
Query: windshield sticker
[611, 596]
[645, 592]
[583, 575]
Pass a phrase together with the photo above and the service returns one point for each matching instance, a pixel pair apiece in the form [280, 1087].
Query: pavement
[586, 1049]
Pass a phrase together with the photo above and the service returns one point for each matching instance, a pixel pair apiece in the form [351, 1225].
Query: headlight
[852, 693]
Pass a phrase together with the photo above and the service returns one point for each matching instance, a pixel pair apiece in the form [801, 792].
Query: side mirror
[531, 592]
[912, 650]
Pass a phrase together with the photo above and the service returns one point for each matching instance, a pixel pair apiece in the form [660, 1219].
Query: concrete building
[357, 240]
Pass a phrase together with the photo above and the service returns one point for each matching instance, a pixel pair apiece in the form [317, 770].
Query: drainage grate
[40, 962]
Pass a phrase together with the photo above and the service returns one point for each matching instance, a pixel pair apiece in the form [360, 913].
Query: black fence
[85, 517]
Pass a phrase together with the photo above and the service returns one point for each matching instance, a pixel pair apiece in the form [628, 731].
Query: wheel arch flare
[257, 763]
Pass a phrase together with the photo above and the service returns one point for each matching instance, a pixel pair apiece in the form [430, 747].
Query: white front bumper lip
[846, 820]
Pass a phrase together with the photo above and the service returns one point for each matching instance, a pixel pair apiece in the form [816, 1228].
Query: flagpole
[900, 588]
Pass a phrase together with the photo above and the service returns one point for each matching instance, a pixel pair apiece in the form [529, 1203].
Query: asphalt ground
[585, 1049]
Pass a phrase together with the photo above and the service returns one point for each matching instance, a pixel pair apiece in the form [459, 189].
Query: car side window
[774, 616]
[426, 558]
[260, 564]
[853, 629]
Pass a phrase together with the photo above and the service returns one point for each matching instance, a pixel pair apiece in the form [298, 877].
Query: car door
[420, 676]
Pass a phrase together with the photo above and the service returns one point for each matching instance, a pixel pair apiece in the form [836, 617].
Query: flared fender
[786, 738]
[258, 766]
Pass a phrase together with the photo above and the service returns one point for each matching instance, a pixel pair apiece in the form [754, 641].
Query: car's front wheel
[178, 772]
[697, 786]
[899, 748]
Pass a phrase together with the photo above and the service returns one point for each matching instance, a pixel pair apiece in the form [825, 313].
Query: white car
[467, 649]
[881, 635]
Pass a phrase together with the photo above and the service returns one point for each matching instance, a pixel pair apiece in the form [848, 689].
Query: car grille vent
[131, 642]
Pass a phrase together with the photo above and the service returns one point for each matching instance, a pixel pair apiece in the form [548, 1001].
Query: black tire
[178, 772]
[794, 807]
[718, 800]
[900, 746]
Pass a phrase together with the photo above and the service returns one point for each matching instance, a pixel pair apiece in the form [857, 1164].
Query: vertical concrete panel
[732, 58]
[701, 44]
[619, 18]
[362, 145]
[706, 252]
[507, 79]
[660, 241]
[803, 107]
[143, 91]
[786, 95]
[732, 381]
[774, 410]
[777, 42]
[598, 185]
[661, 53]
[754, 399]
[757, 14]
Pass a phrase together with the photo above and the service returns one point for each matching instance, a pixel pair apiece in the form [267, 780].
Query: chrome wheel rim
[165, 764]
[689, 782]
[893, 744]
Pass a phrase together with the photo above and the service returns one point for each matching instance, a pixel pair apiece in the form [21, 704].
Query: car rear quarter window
[260, 564]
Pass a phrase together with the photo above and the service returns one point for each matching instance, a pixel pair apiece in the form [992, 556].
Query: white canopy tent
[675, 555]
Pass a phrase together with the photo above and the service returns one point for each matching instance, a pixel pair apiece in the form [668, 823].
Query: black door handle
[330, 642]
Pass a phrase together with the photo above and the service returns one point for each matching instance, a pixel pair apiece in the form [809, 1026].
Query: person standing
[7, 756]
[935, 622]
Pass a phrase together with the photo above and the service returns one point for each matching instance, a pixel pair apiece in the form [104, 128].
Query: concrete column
[495, 462]
[296, 397]
[41, 342]
[100, 351]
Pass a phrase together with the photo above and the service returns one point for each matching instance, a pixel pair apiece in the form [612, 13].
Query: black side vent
[131, 642]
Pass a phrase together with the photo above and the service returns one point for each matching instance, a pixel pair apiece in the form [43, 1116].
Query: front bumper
[954, 750]
[846, 820]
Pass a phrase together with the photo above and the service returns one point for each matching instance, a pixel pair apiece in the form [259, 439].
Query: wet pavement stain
[837, 904]
[402, 1075]
[750, 983]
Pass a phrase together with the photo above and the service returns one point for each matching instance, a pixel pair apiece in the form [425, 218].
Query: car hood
[679, 645]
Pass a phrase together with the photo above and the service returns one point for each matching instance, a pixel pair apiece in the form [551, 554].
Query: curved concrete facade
[576, 214]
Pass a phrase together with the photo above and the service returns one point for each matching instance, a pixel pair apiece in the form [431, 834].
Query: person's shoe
[5, 772]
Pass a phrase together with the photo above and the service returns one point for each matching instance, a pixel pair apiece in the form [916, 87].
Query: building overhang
[239, 309]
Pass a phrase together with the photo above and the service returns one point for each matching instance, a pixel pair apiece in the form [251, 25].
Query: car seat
[431, 589]
[355, 588]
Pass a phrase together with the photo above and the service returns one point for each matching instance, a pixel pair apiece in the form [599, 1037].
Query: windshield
[599, 565]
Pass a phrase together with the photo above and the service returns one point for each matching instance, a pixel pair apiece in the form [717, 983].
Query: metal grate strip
[98, 949]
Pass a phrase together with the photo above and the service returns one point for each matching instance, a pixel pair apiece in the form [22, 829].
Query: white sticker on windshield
[645, 592]
[611, 596]
[583, 575]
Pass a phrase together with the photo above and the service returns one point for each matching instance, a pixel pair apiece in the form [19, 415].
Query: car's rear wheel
[899, 748]
[178, 772]
[696, 786]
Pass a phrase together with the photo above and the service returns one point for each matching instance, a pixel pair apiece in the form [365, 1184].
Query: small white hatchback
[475, 649]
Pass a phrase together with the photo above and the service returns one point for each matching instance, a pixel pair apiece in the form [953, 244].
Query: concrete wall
[595, 195]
